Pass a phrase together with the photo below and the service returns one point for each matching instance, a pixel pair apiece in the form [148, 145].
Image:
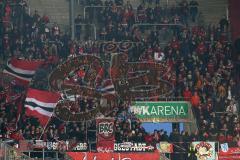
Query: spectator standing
[232, 108]
[223, 24]
[195, 100]
[78, 26]
[193, 9]
[187, 94]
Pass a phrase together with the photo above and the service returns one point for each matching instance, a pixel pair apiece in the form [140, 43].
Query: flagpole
[45, 127]
[86, 131]
[48, 122]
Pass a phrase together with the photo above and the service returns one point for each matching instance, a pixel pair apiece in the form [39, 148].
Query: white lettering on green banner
[176, 111]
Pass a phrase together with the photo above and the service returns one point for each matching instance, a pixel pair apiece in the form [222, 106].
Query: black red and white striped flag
[41, 104]
[22, 70]
[108, 89]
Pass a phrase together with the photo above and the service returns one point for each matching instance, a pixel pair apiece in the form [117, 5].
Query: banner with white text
[105, 134]
[132, 147]
[171, 111]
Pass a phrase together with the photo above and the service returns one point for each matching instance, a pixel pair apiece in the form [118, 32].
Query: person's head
[225, 126]
[196, 133]
[32, 127]
[20, 131]
[183, 133]
[195, 93]
[37, 130]
[231, 102]
[140, 134]
[212, 125]
[27, 132]
[227, 119]
[235, 120]
[133, 133]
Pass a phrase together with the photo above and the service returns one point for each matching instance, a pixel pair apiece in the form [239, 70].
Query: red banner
[231, 154]
[105, 134]
[229, 157]
[113, 156]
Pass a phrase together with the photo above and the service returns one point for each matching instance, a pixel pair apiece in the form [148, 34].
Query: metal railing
[92, 138]
[163, 156]
[43, 154]
[9, 23]
[92, 25]
[158, 24]
[8, 152]
[86, 7]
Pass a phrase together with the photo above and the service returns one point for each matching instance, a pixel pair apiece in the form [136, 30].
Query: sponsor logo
[224, 147]
[204, 150]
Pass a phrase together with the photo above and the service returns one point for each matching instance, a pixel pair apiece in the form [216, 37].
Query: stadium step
[57, 10]
[213, 10]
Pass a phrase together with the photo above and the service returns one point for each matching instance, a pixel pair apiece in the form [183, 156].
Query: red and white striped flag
[41, 104]
[22, 70]
[108, 88]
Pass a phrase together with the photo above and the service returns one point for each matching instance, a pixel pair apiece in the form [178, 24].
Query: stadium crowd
[202, 58]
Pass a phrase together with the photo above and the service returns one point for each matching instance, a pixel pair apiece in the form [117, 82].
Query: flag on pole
[41, 104]
[22, 70]
[108, 88]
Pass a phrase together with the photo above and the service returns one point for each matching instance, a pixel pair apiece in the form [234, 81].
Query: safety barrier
[8, 152]
[87, 25]
[86, 7]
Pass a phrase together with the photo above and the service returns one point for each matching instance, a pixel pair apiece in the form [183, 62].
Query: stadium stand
[199, 61]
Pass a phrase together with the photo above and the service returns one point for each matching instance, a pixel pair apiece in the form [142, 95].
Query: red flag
[22, 70]
[41, 104]
[105, 134]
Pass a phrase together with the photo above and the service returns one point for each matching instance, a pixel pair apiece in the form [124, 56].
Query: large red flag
[22, 70]
[41, 104]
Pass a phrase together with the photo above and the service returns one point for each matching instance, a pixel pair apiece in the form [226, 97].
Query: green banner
[171, 111]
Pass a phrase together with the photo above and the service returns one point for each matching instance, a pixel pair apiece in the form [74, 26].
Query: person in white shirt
[232, 107]
[159, 56]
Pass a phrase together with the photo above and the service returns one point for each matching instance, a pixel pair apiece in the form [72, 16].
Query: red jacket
[175, 45]
[148, 138]
[201, 49]
[187, 95]
[221, 138]
[195, 100]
